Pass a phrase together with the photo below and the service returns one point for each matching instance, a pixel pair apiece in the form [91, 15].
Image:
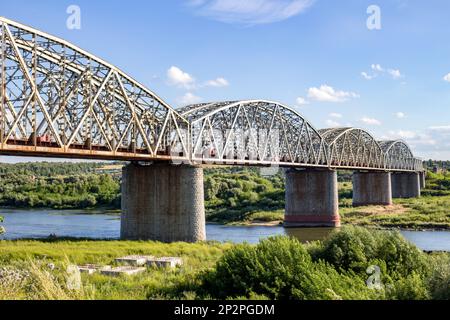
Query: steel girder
[60, 100]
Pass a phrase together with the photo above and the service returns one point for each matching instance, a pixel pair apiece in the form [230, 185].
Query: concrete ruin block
[123, 270]
[165, 262]
[134, 260]
[92, 268]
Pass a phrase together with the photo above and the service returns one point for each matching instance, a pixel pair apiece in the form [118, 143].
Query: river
[91, 224]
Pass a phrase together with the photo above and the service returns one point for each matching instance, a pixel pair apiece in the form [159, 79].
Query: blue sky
[316, 56]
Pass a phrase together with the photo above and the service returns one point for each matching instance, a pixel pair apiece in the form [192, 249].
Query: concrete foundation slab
[165, 262]
[134, 260]
[311, 198]
[163, 202]
[372, 188]
[124, 270]
[92, 268]
[405, 185]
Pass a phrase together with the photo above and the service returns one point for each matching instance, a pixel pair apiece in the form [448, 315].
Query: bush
[356, 248]
[348, 249]
[411, 287]
[439, 280]
[280, 268]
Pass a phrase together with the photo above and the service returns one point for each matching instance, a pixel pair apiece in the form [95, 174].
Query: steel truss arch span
[255, 132]
[60, 100]
[353, 148]
[399, 156]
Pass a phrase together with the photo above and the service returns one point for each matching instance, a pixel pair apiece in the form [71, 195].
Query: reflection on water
[88, 224]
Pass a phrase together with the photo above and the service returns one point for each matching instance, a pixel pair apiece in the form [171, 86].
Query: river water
[91, 224]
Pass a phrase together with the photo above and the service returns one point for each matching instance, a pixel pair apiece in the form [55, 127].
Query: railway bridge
[60, 101]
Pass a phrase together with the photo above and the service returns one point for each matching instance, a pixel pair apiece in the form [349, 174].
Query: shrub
[439, 280]
[411, 287]
[350, 248]
[280, 268]
[356, 248]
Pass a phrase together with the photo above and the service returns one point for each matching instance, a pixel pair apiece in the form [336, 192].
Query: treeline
[58, 186]
[434, 164]
[231, 195]
[48, 169]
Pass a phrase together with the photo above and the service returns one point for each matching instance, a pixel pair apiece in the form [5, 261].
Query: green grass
[416, 214]
[153, 284]
[345, 255]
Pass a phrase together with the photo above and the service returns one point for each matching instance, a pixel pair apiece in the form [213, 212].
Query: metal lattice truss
[253, 132]
[60, 100]
[398, 155]
[353, 148]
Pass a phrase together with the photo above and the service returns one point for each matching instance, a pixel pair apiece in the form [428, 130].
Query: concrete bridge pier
[372, 188]
[311, 198]
[405, 185]
[162, 202]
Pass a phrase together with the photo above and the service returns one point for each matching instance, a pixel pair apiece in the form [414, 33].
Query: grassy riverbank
[429, 212]
[280, 268]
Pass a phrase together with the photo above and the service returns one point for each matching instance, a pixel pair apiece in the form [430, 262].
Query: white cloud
[218, 83]
[366, 76]
[413, 138]
[377, 67]
[301, 101]
[335, 115]
[332, 123]
[405, 134]
[431, 143]
[400, 115]
[188, 99]
[370, 121]
[447, 77]
[328, 94]
[250, 12]
[395, 73]
[180, 78]
[441, 128]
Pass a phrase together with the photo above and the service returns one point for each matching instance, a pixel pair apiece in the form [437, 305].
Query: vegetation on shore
[276, 268]
[58, 186]
[233, 195]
